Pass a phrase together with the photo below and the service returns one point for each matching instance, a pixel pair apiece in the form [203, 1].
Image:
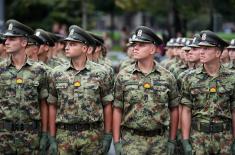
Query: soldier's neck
[212, 68]
[79, 63]
[146, 65]
[19, 59]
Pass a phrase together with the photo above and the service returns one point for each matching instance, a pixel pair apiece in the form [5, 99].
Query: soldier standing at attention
[208, 99]
[146, 102]
[3, 54]
[79, 101]
[231, 51]
[32, 47]
[23, 93]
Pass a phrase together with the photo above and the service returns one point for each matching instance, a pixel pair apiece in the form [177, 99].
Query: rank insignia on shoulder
[213, 90]
[147, 85]
[77, 84]
[19, 81]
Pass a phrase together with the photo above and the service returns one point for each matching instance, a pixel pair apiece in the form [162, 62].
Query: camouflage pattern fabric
[211, 100]
[19, 142]
[139, 145]
[145, 99]
[206, 144]
[178, 68]
[80, 97]
[170, 62]
[53, 62]
[20, 95]
[126, 63]
[79, 94]
[87, 142]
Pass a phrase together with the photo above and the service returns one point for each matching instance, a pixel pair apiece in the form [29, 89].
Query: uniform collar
[27, 62]
[135, 68]
[201, 69]
[70, 65]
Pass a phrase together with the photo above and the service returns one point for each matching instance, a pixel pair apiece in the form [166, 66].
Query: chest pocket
[132, 93]
[160, 93]
[62, 90]
[91, 90]
[5, 89]
[31, 90]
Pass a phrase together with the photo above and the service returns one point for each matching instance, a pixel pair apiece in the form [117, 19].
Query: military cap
[99, 41]
[232, 44]
[34, 40]
[187, 43]
[43, 35]
[196, 41]
[17, 29]
[79, 35]
[146, 35]
[209, 38]
[55, 37]
[171, 42]
[179, 42]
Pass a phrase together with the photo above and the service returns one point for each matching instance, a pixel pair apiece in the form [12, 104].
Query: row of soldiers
[78, 108]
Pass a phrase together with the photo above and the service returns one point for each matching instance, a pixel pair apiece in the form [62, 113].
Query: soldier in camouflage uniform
[146, 102]
[79, 100]
[224, 58]
[46, 47]
[33, 46]
[3, 54]
[169, 53]
[129, 51]
[208, 99]
[22, 94]
[92, 56]
[231, 50]
[53, 57]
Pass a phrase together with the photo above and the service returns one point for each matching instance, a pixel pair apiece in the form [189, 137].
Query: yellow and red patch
[147, 85]
[77, 84]
[213, 90]
[19, 80]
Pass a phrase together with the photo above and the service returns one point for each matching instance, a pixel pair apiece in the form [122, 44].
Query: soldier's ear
[84, 48]
[153, 49]
[24, 42]
[89, 50]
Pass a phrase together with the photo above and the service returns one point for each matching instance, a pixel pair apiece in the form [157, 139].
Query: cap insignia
[10, 26]
[139, 33]
[204, 36]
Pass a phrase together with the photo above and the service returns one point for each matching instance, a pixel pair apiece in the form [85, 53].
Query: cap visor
[140, 40]
[186, 48]
[194, 46]
[71, 39]
[9, 34]
[206, 44]
[231, 47]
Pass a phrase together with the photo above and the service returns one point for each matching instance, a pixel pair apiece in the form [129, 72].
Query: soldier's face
[143, 50]
[232, 54]
[194, 55]
[75, 49]
[14, 44]
[209, 54]
[31, 50]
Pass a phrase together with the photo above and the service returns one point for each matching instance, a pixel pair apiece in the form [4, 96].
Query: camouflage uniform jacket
[21, 91]
[210, 98]
[56, 61]
[80, 95]
[126, 63]
[145, 99]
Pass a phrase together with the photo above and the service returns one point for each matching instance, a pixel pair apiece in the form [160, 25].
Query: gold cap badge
[147, 85]
[77, 84]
